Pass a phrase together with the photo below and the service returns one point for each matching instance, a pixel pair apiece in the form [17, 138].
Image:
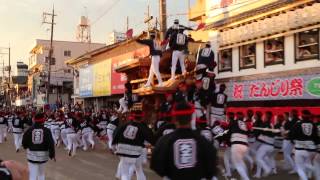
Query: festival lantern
[316, 6]
[273, 24]
[258, 28]
[250, 32]
[247, 34]
[225, 37]
[230, 36]
[264, 25]
[268, 25]
[253, 32]
[309, 19]
[278, 21]
[284, 22]
[237, 34]
[219, 38]
[301, 17]
[291, 15]
[242, 33]
[297, 18]
[234, 35]
[222, 37]
[315, 12]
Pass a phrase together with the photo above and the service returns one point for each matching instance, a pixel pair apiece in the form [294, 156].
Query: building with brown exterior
[267, 52]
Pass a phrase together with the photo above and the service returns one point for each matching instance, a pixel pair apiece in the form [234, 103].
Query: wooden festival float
[137, 71]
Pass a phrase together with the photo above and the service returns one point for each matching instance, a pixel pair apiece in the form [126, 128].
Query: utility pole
[9, 66]
[189, 9]
[48, 87]
[156, 25]
[2, 68]
[148, 14]
[163, 17]
[148, 19]
[9, 58]
[127, 23]
[2, 80]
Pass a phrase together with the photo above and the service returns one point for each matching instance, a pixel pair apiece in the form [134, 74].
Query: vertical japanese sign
[85, 81]
[282, 88]
[102, 78]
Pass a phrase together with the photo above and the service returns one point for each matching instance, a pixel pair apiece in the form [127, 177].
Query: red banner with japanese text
[282, 88]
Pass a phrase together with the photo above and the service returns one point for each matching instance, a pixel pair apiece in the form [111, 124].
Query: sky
[21, 20]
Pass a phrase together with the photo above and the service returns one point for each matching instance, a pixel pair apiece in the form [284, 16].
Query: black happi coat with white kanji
[184, 154]
[39, 144]
[130, 139]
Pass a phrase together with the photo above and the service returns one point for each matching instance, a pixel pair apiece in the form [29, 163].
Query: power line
[213, 9]
[106, 11]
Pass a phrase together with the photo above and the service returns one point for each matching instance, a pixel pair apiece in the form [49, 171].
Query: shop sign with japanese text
[282, 88]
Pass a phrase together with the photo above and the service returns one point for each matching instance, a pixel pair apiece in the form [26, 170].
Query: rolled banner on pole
[267, 129]
[201, 26]
[197, 57]
[221, 134]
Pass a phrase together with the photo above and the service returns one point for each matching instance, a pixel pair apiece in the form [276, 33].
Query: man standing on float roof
[205, 60]
[174, 28]
[178, 42]
[156, 53]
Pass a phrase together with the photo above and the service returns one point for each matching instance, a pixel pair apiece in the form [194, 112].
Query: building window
[67, 71]
[274, 51]
[67, 53]
[248, 56]
[53, 61]
[307, 45]
[225, 60]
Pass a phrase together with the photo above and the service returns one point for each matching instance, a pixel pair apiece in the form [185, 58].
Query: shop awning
[128, 64]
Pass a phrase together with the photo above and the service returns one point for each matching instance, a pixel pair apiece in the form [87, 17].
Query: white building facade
[61, 76]
[115, 37]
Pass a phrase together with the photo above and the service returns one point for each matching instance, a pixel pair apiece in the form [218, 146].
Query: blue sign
[85, 81]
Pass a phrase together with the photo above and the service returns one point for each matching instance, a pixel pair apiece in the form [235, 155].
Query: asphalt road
[98, 164]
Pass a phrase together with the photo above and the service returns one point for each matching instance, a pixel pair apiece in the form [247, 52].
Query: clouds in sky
[21, 19]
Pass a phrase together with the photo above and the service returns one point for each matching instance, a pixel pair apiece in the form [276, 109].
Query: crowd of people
[191, 127]
[180, 148]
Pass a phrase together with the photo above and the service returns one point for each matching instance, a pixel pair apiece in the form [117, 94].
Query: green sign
[313, 87]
